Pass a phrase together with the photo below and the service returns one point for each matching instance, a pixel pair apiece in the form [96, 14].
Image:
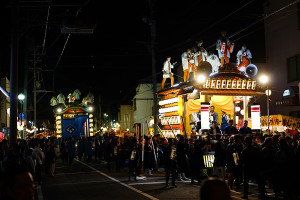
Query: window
[293, 68]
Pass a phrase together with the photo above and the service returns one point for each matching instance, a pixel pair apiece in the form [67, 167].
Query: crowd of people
[269, 160]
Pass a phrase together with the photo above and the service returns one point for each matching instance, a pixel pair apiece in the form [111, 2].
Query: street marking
[59, 174]
[121, 183]
[146, 183]
[75, 183]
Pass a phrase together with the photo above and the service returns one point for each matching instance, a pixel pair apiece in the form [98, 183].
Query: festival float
[227, 89]
[75, 118]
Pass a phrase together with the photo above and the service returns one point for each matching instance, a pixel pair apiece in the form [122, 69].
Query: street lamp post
[265, 79]
[21, 98]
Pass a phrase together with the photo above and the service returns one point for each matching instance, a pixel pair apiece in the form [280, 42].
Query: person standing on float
[223, 48]
[167, 72]
[186, 59]
[243, 58]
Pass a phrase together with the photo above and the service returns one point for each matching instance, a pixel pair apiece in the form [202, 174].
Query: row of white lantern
[170, 120]
[168, 101]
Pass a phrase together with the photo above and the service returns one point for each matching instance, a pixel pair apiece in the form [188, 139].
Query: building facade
[4, 103]
[126, 118]
[282, 39]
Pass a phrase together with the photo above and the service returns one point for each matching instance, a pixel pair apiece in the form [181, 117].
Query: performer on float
[214, 61]
[167, 72]
[200, 55]
[243, 58]
[224, 48]
[187, 59]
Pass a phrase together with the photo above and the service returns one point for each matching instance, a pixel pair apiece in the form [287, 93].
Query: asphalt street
[81, 180]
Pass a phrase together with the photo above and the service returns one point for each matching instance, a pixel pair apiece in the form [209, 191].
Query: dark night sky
[113, 60]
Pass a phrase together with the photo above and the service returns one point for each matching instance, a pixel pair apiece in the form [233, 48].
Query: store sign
[242, 84]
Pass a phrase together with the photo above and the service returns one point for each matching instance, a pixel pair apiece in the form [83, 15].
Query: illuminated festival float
[227, 89]
[75, 118]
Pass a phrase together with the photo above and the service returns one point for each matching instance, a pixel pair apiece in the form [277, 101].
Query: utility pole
[153, 40]
[14, 54]
[34, 91]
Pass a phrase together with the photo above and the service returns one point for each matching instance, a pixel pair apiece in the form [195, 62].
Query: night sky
[117, 57]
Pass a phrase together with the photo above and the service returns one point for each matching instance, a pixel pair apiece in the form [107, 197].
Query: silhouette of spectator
[214, 189]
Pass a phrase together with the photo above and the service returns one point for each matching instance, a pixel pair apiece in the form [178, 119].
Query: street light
[264, 80]
[201, 78]
[21, 98]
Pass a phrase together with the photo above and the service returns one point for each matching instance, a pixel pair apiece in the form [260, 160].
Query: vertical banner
[73, 127]
[205, 116]
[255, 116]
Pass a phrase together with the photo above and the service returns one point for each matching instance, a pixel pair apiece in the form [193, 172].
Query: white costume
[241, 54]
[202, 52]
[167, 69]
[214, 61]
[185, 58]
[219, 46]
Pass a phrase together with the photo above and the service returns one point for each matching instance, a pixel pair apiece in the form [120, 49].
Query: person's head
[245, 123]
[223, 112]
[170, 141]
[188, 50]
[199, 43]
[244, 47]
[18, 183]
[212, 109]
[248, 140]
[268, 142]
[169, 58]
[223, 33]
[214, 189]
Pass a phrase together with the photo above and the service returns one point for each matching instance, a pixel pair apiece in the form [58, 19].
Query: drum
[223, 47]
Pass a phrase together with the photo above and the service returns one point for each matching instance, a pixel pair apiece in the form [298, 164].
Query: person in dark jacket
[230, 129]
[220, 157]
[109, 153]
[134, 160]
[233, 154]
[250, 161]
[245, 130]
[285, 171]
[268, 158]
[214, 129]
[170, 161]
[149, 157]
[197, 162]
[181, 153]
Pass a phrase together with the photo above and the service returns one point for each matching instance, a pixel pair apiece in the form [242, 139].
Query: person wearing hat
[167, 72]
[243, 58]
[223, 47]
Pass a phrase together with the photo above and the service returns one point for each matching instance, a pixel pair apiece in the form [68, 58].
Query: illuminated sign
[242, 84]
[68, 116]
[286, 92]
[170, 120]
